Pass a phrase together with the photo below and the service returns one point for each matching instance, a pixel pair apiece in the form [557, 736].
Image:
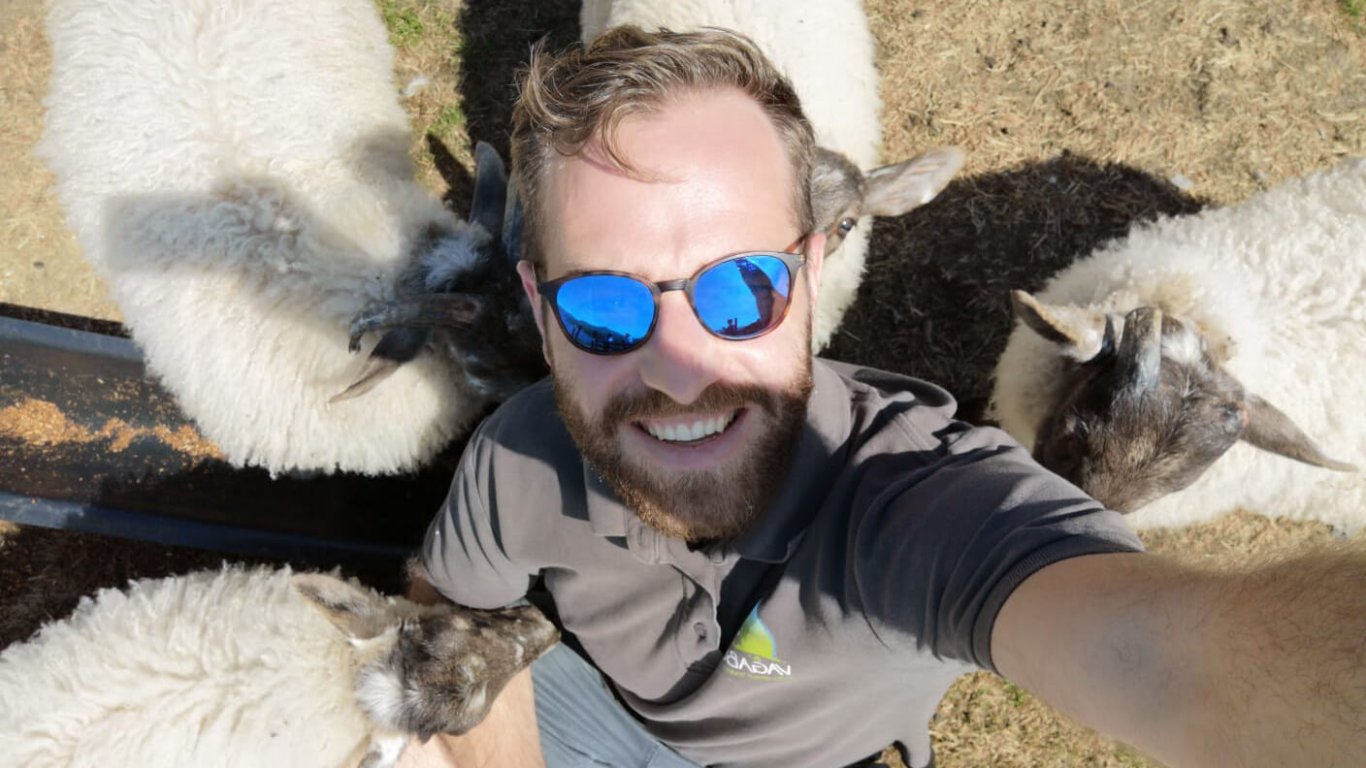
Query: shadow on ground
[934, 302]
[497, 38]
[498, 35]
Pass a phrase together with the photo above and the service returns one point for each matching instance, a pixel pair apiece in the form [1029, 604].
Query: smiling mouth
[689, 431]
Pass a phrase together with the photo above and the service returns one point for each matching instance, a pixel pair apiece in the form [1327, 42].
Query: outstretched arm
[508, 736]
[1265, 666]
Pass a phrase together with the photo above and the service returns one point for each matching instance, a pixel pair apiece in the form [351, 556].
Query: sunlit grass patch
[448, 119]
[405, 27]
[430, 46]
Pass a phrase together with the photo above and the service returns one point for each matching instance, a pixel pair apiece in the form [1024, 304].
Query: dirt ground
[1079, 118]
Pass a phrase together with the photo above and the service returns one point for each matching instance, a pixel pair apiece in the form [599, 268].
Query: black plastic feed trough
[91, 443]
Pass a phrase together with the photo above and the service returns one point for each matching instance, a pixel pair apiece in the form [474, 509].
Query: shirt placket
[698, 630]
[700, 634]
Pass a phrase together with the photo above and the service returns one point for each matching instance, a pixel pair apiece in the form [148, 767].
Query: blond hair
[566, 100]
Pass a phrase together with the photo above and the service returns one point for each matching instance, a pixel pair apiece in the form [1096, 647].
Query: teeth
[686, 433]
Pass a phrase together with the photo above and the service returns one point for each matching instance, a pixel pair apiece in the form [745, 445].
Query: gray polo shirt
[817, 639]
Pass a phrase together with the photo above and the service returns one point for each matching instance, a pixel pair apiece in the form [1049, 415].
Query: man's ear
[527, 271]
[814, 248]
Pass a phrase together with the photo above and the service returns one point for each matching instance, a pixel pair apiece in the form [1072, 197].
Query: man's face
[690, 430]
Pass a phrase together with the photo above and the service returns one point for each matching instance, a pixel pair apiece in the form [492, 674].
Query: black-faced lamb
[1207, 363]
[825, 49]
[254, 667]
[239, 175]
[486, 331]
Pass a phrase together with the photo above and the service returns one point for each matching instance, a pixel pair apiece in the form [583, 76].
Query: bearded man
[764, 559]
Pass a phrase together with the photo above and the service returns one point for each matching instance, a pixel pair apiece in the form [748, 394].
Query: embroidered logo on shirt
[754, 654]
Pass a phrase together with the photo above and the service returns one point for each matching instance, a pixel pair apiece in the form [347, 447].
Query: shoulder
[894, 413]
[525, 429]
[521, 460]
[912, 465]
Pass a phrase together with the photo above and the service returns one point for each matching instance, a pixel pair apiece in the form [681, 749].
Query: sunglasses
[737, 297]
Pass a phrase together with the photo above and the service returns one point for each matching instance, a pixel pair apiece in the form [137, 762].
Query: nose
[679, 359]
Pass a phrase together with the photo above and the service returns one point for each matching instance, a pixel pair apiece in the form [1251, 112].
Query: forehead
[710, 176]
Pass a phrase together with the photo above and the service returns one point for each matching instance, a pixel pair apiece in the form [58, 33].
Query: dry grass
[1077, 117]
[39, 256]
[467, 54]
[1233, 94]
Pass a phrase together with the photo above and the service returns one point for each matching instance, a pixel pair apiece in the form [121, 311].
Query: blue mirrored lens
[743, 297]
[605, 313]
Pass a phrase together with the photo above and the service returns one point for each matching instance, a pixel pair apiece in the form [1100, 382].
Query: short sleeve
[970, 527]
[465, 552]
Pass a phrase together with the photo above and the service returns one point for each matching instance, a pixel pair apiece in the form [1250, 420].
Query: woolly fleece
[230, 668]
[1280, 277]
[239, 175]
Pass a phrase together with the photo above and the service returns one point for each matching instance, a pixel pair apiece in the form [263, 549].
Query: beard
[719, 503]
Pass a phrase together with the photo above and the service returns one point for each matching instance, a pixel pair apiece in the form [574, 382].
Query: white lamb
[1146, 372]
[238, 173]
[825, 49]
[254, 668]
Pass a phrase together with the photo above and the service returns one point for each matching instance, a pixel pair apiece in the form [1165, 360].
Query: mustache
[653, 404]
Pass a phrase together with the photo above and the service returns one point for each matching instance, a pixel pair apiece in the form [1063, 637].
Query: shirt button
[701, 630]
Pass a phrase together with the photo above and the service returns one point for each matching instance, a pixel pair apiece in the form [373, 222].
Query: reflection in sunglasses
[591, 337]
[753, 283]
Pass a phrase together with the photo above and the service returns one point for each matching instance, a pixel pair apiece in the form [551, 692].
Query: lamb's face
[1144, 417]
[841, 193]
[1145, 406]
[448, 664]
[499, 352]
[460, 298]
[836, 192]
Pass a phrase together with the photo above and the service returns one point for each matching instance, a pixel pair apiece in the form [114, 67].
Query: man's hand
[1265, 666]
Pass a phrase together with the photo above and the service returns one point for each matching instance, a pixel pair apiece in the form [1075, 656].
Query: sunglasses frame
[550, 289]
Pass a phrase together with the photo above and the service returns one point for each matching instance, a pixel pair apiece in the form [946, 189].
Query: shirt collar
[606, 515]
[815, 461]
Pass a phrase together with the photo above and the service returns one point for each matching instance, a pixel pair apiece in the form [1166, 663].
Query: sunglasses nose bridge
[675, 312]
[682, 290]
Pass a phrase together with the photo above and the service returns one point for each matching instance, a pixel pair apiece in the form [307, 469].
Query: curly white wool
[255, 667]
[212, 669]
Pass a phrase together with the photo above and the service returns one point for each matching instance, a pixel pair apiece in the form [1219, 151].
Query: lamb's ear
[1269, 429]
[895, 189]
[1081, 333]
[490, 190]
[359, 614]
[512, 227]
[1140, 350]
